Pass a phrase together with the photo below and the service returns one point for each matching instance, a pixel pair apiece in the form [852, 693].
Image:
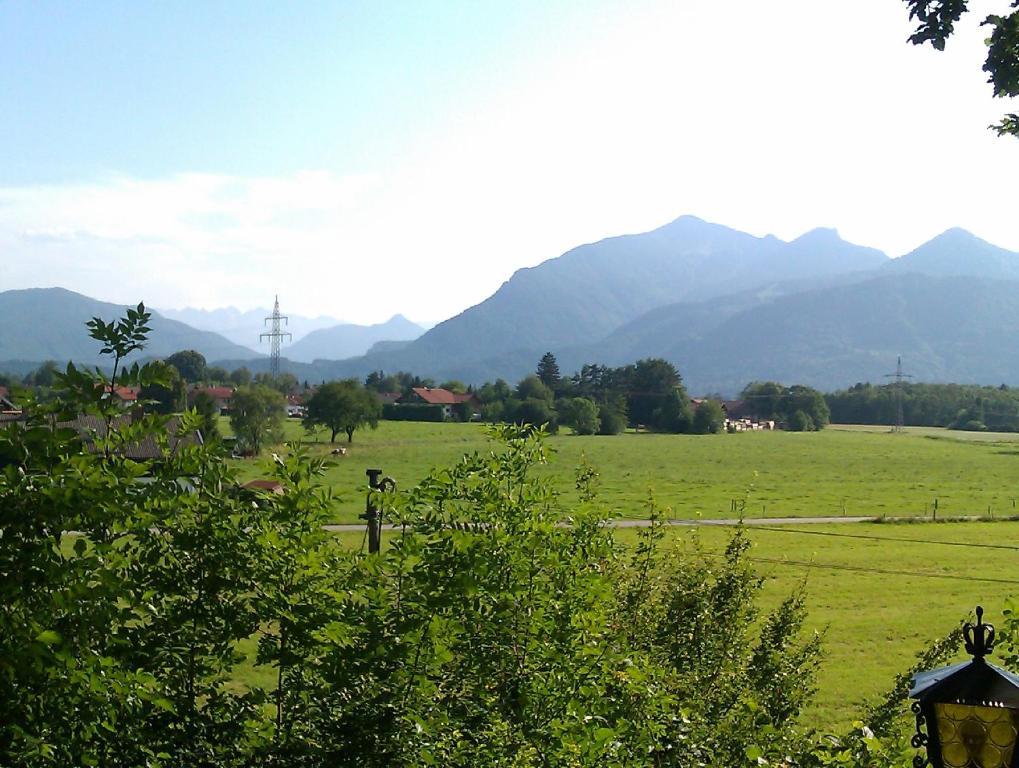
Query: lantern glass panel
[976, 737]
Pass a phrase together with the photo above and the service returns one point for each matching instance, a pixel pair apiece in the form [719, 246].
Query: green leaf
[48, 637]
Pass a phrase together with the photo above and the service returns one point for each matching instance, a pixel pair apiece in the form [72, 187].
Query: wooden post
[372, 513]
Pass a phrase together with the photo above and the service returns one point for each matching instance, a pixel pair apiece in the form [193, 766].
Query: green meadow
[878, 591]
[837, 472]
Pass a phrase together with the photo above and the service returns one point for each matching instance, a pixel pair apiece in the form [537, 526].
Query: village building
[221, 396]
[296, 409]
[442, 397]
[125, 394]
[91, 428]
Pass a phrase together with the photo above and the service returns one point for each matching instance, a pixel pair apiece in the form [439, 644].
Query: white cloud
[766, 118]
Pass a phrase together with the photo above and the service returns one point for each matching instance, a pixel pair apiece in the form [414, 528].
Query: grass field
[877, 594]
[840, 471]
[877, 618]
[878, 597]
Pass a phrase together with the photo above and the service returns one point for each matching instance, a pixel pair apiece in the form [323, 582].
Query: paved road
[626, 523]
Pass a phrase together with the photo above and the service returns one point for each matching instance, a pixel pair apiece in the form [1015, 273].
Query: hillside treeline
[958, 406]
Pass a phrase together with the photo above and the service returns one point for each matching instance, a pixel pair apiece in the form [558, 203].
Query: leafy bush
[412, 412]
[611, 421]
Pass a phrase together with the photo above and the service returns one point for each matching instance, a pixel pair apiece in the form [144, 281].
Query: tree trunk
[350, 434]
[333, 438]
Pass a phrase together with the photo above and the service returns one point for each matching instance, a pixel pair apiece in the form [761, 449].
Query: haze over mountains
[343, 341]
[724, 306]
[244, 327]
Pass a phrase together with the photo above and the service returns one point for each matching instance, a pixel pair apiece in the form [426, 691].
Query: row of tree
[959, 406]
[190, 366]
[798, 408]
[601, 399]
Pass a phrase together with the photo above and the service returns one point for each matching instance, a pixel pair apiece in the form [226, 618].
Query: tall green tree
[240, 377]
[649, 385]
[342, 406]
[581, 413]
[44, 375]
[256, 416]
[167, 396]
[675, 413]
[548, 371]
[205, 406]
[533, 388]
[190, 364]
[708, 418]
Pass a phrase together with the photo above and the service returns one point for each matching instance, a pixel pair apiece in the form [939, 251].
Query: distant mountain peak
[819, 234]
[687, 219]
[956, 236]
[959, 252]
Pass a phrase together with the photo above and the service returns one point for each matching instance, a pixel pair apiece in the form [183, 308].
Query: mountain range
[724, 306]
[727, 308]
[244, 327]
[42, 324]
[348, 340]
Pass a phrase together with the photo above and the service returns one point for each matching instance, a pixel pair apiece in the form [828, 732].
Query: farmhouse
[296, 408]
[388, 398]
[124, 394]
[221, 396]
[443, 397]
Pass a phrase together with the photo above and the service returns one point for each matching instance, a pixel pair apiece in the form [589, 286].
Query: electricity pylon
[898, 376]
[275, 336]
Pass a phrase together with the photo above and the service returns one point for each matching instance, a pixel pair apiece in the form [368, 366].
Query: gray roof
[971, 682]
[90, 427]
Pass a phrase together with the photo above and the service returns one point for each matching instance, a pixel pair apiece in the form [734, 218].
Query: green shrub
[412, 412]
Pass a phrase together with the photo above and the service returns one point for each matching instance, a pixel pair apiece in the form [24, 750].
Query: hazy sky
[363, 159]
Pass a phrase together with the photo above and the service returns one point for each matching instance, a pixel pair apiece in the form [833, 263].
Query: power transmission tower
[275, 336]
[899, 376]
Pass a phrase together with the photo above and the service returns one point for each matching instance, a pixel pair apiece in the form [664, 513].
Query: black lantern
[970, 711]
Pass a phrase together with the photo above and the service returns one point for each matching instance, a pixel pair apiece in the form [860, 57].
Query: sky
[366, 159]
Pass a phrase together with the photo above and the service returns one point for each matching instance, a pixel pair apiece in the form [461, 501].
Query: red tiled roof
[127, 394]
[435, 396]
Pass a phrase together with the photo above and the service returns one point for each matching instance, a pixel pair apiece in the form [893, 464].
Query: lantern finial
[979, 637]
